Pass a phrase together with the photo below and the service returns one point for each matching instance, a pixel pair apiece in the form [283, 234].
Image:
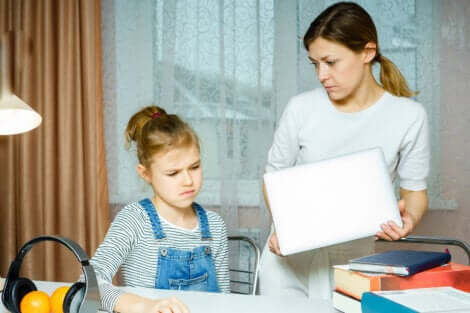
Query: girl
[167, 241]
[352, 112]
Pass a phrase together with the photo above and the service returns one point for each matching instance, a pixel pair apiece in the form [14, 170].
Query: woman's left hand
[391, 231]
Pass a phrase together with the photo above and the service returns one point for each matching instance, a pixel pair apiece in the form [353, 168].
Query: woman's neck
[182, 217]
[368, 92]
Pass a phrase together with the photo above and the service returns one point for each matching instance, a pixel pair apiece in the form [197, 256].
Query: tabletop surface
[199, 302]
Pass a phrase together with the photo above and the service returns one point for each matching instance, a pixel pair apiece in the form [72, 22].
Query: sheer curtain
[212, 63]
[229, 68]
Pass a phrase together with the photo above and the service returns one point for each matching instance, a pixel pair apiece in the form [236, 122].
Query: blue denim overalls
[184, 269]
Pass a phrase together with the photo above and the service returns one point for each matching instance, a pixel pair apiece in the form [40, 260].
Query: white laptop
[331, 201]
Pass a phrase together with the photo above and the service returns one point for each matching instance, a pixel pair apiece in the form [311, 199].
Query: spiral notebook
[331, 201]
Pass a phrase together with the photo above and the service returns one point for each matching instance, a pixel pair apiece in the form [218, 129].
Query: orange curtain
[53, 179]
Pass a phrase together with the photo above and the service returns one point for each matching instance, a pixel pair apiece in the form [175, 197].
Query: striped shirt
[131, 245]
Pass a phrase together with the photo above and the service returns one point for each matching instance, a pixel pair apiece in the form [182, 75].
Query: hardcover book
[345, 303]
[421, 300]
[355, 283]
[399, 262]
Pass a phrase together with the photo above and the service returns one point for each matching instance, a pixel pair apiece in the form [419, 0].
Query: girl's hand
[132, 303]
[391, 231]
[274, 244]
[168, 305]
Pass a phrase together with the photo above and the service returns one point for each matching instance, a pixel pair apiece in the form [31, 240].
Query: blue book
[421, 300]
[399, 262]
[374, 303]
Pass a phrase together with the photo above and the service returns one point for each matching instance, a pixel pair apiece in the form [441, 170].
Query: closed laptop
[331, 201]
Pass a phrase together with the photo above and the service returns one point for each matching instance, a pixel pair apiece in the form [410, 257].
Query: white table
[201, 302]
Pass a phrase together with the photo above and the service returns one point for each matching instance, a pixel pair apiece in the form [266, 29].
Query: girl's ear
[370, 51]
[144, 173]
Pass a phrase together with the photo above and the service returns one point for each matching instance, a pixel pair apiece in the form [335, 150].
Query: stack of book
[411, 270]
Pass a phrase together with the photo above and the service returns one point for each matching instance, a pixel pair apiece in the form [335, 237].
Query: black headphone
[82, 297]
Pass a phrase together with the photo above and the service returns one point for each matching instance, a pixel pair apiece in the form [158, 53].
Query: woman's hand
[413, 205]
[274, 244]
[391, 231]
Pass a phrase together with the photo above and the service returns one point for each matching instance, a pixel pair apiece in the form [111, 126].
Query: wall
[455, 129]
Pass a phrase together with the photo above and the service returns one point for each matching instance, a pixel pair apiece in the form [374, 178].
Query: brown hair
[349, 24]
[155, 131]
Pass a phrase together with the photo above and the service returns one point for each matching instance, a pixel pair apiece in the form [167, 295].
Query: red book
[355, 284]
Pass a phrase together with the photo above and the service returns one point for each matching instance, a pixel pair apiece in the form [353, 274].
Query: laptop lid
[331, 201]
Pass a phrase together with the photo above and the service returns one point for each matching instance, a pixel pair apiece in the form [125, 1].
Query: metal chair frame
[435, 240]
[432, 240]
[254, 273]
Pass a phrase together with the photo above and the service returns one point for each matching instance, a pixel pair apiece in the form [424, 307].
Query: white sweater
[312, 129]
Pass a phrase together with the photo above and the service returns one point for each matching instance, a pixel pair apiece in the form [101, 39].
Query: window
[229, 67]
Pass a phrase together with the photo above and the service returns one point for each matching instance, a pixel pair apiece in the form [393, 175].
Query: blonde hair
[154, 131]
[349, 24]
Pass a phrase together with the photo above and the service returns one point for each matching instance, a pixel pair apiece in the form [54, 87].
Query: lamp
[15, 115]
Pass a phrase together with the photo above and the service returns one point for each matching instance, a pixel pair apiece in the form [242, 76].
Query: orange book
[355, 284]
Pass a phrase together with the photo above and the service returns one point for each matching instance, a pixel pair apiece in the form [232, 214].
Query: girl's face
[176, 177]
[339, 69]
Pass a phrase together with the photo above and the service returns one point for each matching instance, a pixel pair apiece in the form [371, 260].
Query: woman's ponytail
[392, 79]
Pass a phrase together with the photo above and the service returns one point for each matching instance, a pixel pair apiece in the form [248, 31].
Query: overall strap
[203, 222]
[154, 219]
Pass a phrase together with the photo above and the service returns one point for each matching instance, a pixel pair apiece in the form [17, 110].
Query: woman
[352, 112]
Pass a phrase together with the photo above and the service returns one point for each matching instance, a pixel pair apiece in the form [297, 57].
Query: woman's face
[176, 177]
[339, 69]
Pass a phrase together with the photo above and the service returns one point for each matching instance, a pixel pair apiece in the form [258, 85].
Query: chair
[432, 240]
[244, 263]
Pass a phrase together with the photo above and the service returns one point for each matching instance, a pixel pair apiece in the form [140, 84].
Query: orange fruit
[57, 299]
[35, 302]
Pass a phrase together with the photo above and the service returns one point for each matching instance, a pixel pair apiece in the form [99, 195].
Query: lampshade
[15, 115]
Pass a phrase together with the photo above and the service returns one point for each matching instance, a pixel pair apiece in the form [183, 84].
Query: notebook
[331, 201]
[399, 262]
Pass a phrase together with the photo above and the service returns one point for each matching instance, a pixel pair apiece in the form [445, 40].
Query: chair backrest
[244, 262]
[435, 240]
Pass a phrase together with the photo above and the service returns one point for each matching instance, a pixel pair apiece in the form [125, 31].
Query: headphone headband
[14, 270]
[91, 300]
[72, 245]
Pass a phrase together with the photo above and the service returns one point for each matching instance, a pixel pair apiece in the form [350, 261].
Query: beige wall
[455, 129]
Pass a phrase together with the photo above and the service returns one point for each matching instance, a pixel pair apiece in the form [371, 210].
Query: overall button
[164, 252]
[207, 250]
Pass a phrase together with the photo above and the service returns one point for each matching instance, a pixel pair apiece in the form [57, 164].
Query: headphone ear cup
[74, 297]
[19, 288]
